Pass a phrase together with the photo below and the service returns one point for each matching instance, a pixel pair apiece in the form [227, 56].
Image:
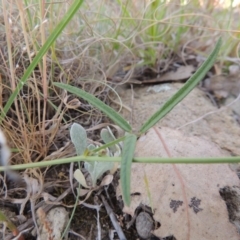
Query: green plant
[142, 32]
[95, 169]
[154, 22]
[129, 139]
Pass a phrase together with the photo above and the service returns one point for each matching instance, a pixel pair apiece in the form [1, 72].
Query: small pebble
[144, 225]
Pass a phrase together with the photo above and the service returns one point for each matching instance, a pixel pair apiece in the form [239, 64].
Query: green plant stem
[210, 160]
[72, 214]
[108, 144]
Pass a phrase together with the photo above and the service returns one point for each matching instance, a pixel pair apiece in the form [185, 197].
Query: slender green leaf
[111, 113]
[184, 91]
[126, 162]
[56, 32]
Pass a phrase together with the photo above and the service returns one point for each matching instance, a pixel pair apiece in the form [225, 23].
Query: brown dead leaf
[150, 75]
[185, 198]
[72, 104]
[183, 72]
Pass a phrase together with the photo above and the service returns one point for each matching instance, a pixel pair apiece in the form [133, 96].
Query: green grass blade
[117, 118]
[184, 91]
[56, 32]
[126, 162]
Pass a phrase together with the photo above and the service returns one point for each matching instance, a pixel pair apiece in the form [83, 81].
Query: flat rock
[52, 225]
[219, 127]
[185, 198]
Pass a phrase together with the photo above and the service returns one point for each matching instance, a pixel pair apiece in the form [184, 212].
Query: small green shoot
[129, 142]
[96, 169]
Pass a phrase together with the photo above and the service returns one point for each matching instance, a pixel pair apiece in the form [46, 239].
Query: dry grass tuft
[37, 124]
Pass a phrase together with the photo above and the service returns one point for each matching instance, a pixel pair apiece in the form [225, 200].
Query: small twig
[64, 194]
[30, 222]
[97, 208]
[4, 183]
[20, 233]
[113, 219]
[98, 225]
[32, 202]
[109, 199]
[211, 98]
[129, 224]
[76, 234]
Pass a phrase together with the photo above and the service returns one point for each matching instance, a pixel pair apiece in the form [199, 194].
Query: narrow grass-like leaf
[126, 162]
[111, 113]
[184, 91]
[56, 32]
